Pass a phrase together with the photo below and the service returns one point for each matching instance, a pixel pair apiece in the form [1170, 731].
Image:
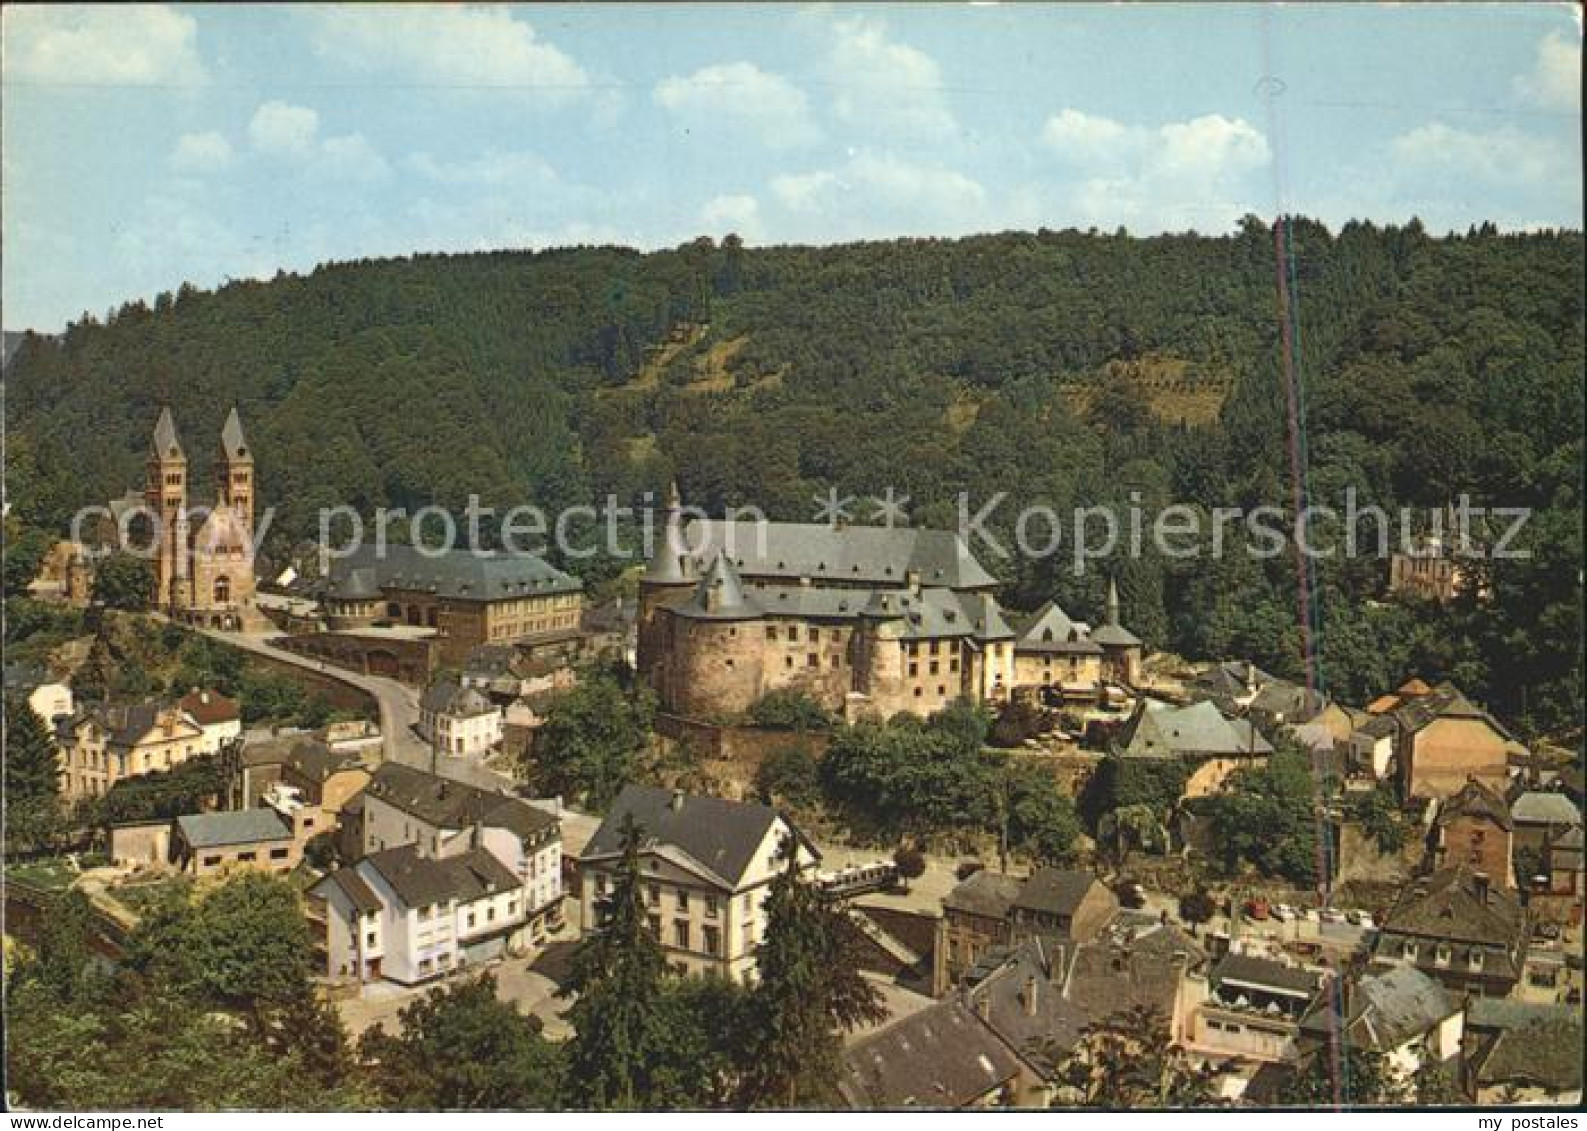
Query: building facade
[468, 598]
[103, 745]
[707, 865]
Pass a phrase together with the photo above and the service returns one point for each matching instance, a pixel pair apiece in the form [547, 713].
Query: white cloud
[875, 194]
[1555, 79]
[352, 157]
[744, 97]
[1086, 136]
[732, 213]
[1501, 155]
[1196, 173]
[207, 152]
[515, 170]
[281, 129]
[884, 85]
[448, 46]
[285, 132]
[112, 45]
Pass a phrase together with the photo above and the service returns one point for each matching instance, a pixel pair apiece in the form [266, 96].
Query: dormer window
[1442, 955]
[1409, 950]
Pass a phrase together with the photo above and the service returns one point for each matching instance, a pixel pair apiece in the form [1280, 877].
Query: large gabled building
[1460, 928]
[467, 597]
[708, 864]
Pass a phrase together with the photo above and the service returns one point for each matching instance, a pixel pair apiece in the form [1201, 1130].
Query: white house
[1396, 1010]
[400, 915]
[443, 818]
[49, 697]
[217, 716]
[707, 866]
[459, 720]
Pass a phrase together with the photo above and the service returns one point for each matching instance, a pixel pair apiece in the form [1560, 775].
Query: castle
[203, 576]
[864, 620]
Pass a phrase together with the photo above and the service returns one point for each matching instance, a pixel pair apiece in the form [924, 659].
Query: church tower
[165, 494]
[236, 469]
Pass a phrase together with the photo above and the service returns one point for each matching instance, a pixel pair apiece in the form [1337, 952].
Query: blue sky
[147, 146]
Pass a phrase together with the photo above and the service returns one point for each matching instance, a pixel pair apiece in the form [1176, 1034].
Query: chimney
[912, 580]
[676, 804]
[1030, 997]
[1479, 885]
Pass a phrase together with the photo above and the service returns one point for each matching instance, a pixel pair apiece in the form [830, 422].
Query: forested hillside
[1066, 368]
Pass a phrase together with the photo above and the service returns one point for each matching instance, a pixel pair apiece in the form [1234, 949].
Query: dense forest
[1066, 368]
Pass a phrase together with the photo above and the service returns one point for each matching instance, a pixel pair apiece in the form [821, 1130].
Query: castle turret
[1121, 648]
[165, 494]
[668, 580]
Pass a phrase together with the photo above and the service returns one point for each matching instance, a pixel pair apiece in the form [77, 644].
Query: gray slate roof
[420, 881]
[1050, 629]
[456, 575]
[1197, 731]
[448, 804]
[448, 697]
[1055, 891]
[1448, 905]
[358, 892]
[719, 834]
[941, 1057]
[986, 893]
[1477, 800]
[857, 555]
[1537, 808]
[315, 761]
[1384, 1008]
[241, 826]
[1265, 973]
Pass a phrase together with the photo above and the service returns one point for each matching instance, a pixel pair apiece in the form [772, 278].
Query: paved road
[399, 711]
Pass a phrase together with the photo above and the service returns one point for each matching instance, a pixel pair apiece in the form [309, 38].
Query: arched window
[222, 590]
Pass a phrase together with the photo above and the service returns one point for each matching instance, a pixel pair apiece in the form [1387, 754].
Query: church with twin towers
[203, 553]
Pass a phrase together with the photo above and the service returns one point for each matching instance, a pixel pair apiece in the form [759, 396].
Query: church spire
[1113, 602]
[233, 444]
[166, 444]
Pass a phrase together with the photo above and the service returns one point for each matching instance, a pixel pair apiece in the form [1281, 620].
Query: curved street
[398, 705]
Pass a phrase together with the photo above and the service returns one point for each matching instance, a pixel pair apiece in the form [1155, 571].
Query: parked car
[1360, 919]
[1331, 915]
[1284, 912]
[1131, 894]
[1256, 908]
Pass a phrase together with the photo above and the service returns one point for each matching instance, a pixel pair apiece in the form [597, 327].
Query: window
[278, 853]
[471, 920]
[490, 914]
[512, 907]
[812, 661]
[914, 668]
[369, 939]
[933, 668]
[246, 857]
[713, 940]
[680, 934]
[683, 900]
[793, 632]
[211, 861]
[654, 923]
[653, 894]
[710, 907]
[787, 661]
[771, 632]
